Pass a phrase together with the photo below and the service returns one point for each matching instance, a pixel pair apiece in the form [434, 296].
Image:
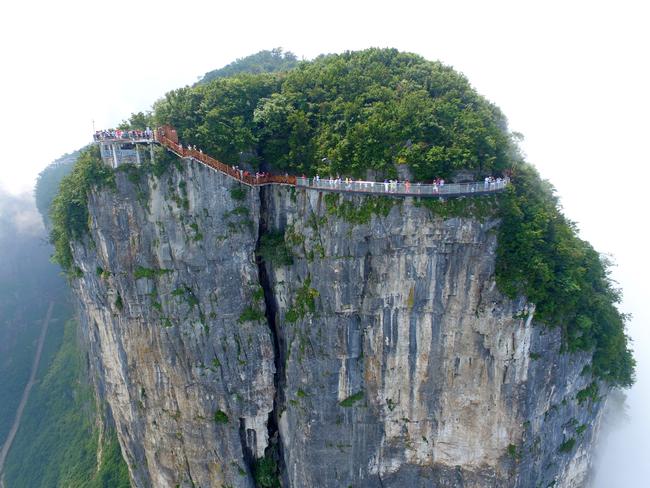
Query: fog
[623, 452]
[23, 248]
[573, 77]
[18, 216]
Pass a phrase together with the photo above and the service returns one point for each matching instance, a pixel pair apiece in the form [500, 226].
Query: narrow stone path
[26, 392]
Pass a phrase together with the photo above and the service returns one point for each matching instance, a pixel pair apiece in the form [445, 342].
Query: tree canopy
[48, 180]
[541, 257]
[267, 61]
[348, 113]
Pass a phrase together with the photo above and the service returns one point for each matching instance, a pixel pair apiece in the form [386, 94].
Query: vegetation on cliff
[541, 257]
[378, 111]
[47, 183]
[349, 113]
[69, 209]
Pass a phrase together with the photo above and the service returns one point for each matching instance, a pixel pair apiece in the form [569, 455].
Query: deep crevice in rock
[247, 452]
[274, 450]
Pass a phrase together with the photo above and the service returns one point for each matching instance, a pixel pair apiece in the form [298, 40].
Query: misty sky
[572, 76]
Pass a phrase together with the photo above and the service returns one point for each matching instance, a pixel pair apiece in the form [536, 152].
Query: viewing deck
[167, 137]
[126, 140]
[125, 147]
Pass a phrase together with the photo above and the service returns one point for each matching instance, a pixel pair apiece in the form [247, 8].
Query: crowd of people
[492, 183]
[258, 175]
[437, 186]
[105, 135]
[396, 186]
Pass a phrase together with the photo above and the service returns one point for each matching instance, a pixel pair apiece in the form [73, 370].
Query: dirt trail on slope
[25, 397]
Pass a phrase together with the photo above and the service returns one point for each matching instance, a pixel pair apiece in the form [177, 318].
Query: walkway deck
[401, 188]
[126, 140]
[167, 137]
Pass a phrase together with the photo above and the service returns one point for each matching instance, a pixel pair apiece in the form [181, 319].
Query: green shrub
[150, 273]
[198, 236]
[238, 193]
[588, 393]
[220, 417]
[265, 472]
[240, 211]
[480, 207]
[352, 399]
[251, 314]
[69, 210]
[362, 213]
[274, 250]
[187, 294]
[304, 302]
[133, 173]
[567, 445]
[163, 159]
[513, 452]
[258, 293]
[119, 304]
[331, 201]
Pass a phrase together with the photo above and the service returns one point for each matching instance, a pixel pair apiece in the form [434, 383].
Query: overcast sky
[572, 76]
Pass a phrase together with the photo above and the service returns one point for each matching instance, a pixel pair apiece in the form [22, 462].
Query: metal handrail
[402, 188]
[396, 188]
[128, 140]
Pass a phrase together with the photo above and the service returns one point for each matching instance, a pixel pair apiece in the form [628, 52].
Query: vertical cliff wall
[167, 272]
[365, 344]
[413, 370]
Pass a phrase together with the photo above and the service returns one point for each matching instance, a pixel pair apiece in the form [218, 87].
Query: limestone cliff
[376, 351]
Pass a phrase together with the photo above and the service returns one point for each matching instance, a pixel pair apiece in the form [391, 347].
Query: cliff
[248, 337]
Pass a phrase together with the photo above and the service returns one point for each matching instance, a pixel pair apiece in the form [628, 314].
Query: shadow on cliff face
[622, 455]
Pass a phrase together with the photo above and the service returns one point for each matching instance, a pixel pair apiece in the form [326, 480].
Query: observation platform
[125, 147]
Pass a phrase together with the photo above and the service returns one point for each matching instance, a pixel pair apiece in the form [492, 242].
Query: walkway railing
[167, 137]
[238, 174]
[402, 188]
[126, 140]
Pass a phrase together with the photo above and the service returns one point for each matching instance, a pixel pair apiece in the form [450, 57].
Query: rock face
[382, 355]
